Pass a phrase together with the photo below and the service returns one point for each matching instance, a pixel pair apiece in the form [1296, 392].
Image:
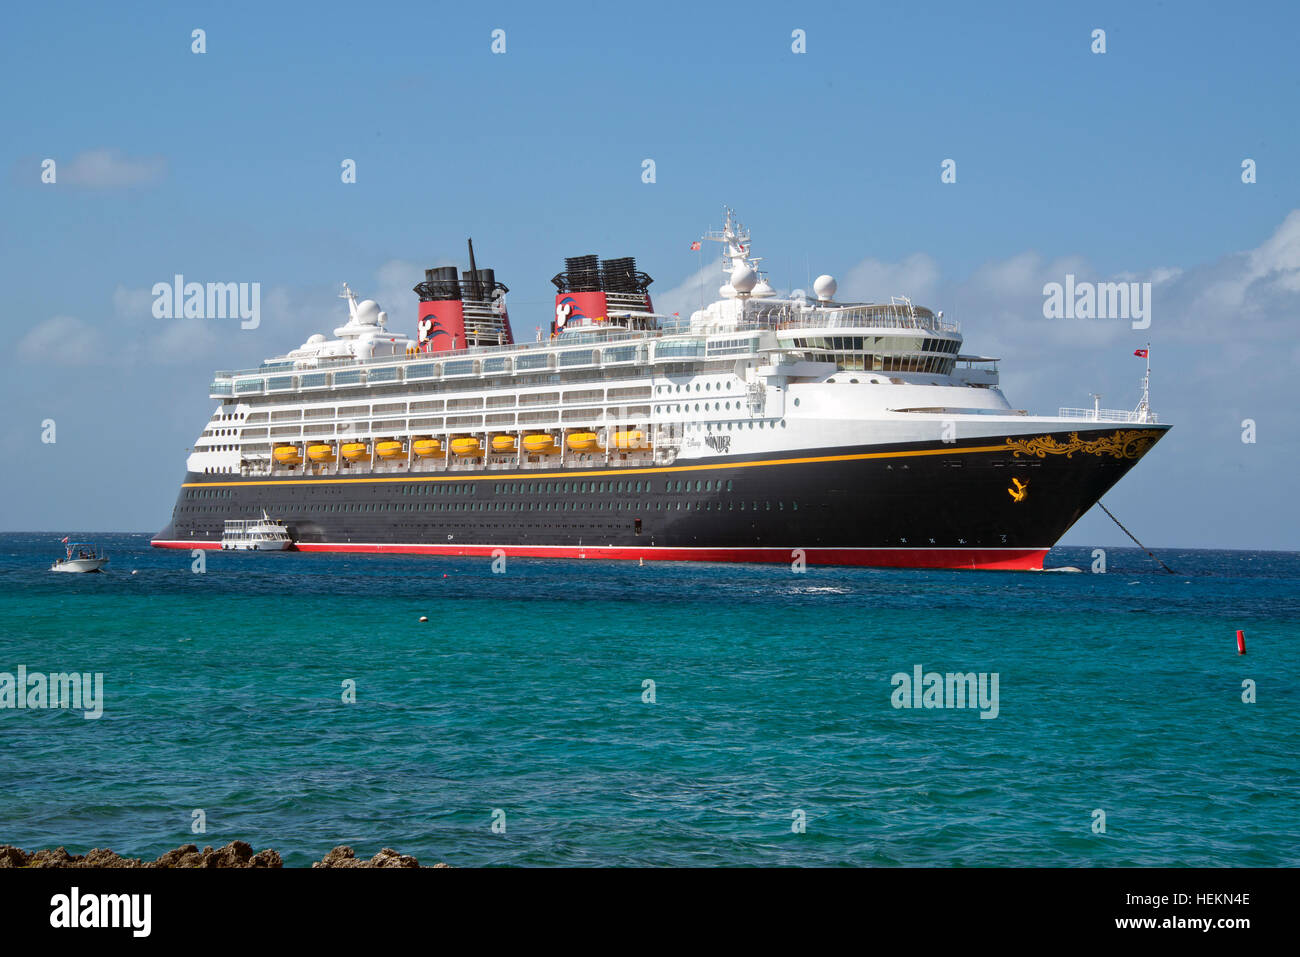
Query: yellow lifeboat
[503, 443]
[466, 447]
[630, 439]
[320, 453]
[355, 451]
[389, 450]
[583, 441]
[541, 443]
[425, 448]
[288, 455]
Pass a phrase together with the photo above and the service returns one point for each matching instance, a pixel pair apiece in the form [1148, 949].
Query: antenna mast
[1144, 405]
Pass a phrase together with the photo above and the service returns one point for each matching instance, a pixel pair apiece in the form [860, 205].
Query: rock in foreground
[235, 854]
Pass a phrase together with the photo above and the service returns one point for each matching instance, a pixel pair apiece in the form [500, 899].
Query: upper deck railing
[755, 316]
[1108, 415]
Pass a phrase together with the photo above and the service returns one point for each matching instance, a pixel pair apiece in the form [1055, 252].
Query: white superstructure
[750, 373]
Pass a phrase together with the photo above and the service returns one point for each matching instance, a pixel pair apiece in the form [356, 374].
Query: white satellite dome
[727, 291]
[368, 312]
[315, 339]
[825, 287]
[763, 290]
[743, 278]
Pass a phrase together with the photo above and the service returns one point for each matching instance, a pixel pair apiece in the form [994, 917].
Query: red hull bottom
[987, 559]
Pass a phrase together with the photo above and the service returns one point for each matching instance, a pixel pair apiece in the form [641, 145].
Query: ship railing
[783, 318]
[1108, 415]
[334, 363]
[856, 322]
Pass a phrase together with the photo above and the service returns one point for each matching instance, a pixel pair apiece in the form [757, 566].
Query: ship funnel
[459, 310]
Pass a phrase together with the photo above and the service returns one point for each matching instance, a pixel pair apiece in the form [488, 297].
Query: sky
[226, 166]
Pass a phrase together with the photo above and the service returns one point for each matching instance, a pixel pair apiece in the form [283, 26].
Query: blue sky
[225, 167]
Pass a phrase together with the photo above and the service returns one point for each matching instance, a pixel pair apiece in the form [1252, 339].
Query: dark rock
[341, 856]
[236, 854]
[11, 856]
[187, 855]
[390, 858]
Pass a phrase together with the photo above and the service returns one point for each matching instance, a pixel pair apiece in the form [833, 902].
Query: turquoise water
[523, 693]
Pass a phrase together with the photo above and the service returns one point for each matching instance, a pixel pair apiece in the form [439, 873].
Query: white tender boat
[81, 557]
[255, 535]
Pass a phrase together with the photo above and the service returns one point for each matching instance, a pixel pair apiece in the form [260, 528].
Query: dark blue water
[523, 694]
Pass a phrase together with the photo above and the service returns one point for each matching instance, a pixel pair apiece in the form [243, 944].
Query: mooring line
[1134, 537]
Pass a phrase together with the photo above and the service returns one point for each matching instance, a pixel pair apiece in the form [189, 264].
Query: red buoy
[1241, 642]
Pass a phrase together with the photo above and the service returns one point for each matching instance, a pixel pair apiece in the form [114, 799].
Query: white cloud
[180, 340]
[133, 303]
[916, 277]
[110, 169]
[394, 290]
[62, 340]
[685, 298]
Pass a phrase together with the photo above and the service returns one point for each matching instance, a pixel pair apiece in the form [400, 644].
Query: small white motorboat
[81, 557]
[255, 535]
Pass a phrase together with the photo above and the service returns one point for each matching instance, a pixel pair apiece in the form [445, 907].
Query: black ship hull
[991, 503]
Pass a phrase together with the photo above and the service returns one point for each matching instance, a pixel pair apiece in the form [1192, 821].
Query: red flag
[695, 245]
[1140, 353]
[64, 540]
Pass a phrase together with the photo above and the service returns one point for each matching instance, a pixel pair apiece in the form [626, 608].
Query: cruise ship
[763, 428]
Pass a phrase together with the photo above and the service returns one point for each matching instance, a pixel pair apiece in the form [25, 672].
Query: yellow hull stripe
[602, 473]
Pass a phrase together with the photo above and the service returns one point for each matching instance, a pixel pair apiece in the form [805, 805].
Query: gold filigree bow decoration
[1124, 444]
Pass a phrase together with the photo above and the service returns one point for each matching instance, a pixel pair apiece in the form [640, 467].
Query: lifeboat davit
[540, 444]
[389, 450]
[355, 451]
[466, 447]
[630, 439]
[288, 455]
[320, 453]
[503, 443]
[426, 448]
[583, 441]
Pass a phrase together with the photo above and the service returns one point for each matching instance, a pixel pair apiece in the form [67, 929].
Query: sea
[591, 713]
